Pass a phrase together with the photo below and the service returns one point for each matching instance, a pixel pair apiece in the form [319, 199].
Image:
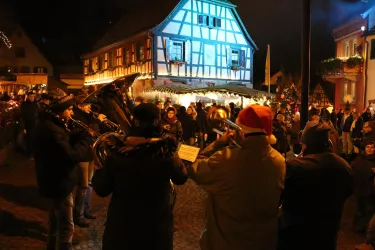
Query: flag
[268, 69]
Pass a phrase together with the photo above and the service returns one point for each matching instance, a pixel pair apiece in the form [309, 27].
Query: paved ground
[23, 219]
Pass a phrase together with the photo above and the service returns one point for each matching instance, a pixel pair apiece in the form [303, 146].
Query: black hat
[30, 93]
[62, 104]
[45, 96]
[316, 134]
[146, 112]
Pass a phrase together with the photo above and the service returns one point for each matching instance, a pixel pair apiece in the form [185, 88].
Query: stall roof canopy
[175, 88]
[232, 88]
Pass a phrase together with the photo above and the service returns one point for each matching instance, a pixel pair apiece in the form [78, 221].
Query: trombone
[218, 119]
[85, 127]
[108, 123]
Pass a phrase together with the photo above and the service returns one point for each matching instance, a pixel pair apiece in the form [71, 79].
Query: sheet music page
[188, 153]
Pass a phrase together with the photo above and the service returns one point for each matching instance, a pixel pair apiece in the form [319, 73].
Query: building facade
[353, 69]
[199, 42]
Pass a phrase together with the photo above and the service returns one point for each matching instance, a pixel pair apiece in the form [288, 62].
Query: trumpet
[108, 123]
[85, 127]
[218, 119]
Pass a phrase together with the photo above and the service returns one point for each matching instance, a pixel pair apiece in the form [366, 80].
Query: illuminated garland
[5, 39]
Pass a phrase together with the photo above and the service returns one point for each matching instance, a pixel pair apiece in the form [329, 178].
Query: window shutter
[242, 58]
[229, 57]
[217, 22]
[138, 52]
[148, 48]
[187, 51]
[168, 49]
[134, 52]
[200, 19]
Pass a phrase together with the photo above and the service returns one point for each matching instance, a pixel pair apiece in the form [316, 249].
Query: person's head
[159, 104]
[356, 115]
[315, 114]
[182, 110]
[146, 121]
[315, 137]
[370, 148]
[171, 113]
[231, 105]
[139, 100]
[45, 98]
[341, 111]
[347, 111]
[82, 105]
[31, 96]
[189, 110]
[63, 107]
[280, 118]
[199, 105]
[368, 110]
[297, 117]
[256, 119]
[368, 127]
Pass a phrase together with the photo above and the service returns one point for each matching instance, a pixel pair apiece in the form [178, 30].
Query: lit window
[177, 51]
[235, 56]
[355, 52]
[347, 50]
[141, 53]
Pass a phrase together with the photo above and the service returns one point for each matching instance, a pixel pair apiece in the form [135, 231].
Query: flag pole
[268, 69]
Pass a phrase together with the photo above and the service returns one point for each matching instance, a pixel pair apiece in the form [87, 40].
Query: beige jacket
[244, 187]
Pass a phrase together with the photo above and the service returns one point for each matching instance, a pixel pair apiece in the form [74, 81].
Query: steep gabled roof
[154, 14]
[136, 21]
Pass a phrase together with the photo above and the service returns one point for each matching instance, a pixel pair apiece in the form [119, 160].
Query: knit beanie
[255, 119]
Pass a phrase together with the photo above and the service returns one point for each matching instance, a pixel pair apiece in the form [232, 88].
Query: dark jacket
[366, 116]
[347, 123]
[316, 187]
[29, 112]
[138, 176]
[189, 126]
[202, 120]
[55, 157]
[366, 139]
[363, 175]
[357, 130]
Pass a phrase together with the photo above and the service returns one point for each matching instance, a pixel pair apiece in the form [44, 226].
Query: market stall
[224, 94]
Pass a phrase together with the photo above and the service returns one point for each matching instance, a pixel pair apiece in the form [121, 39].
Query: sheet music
[188, 153]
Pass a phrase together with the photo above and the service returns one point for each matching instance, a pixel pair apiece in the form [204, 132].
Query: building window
[177, 51]
[347, 50]
[19, 52]
[40, 70]
[209, 21]
[355, 52]
[25, 69]
[110, 59]
[119, 57]
[235, 56]
[100, 62]
[141, 53]
[372, 54]
[126, 59]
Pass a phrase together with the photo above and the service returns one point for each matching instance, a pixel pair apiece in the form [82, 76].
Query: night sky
[71, 27]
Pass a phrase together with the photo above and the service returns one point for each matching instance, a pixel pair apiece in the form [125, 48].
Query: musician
[138, 176]
[82, 204]
[243, 185]
[316, 187]
[55, 160]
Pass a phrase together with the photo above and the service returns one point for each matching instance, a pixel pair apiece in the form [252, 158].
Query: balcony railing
[341, 66]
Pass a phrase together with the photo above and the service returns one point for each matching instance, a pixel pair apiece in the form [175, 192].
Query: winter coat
[244, 187]
[29, 112]
[357, 130]
[347, 124]
[189, 126]
[316, 187]
[175, 129]
[55, 157]
[363, 175]
[138, 177]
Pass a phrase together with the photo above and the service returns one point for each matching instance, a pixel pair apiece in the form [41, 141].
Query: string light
[5, 39]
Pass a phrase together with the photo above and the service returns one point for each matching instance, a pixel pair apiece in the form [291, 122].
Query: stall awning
[173, 88]
[232, 88]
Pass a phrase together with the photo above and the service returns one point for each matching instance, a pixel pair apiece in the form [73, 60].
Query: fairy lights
[5, 39]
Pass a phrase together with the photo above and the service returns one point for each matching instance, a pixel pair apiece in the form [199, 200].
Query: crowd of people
[259, 197]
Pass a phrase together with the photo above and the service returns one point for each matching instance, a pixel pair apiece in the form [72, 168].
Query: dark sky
[74, 25]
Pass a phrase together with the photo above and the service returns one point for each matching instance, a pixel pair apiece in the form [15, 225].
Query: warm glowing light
[5, 40]
[363, 28]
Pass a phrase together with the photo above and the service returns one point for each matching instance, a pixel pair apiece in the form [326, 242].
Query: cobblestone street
[23, 214]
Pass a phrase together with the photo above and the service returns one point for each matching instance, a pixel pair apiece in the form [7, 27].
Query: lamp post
[305, 60]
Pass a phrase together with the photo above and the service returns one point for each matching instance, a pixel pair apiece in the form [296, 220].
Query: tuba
[115, 101]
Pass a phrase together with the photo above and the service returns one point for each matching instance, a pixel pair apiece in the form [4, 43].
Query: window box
[177, 63]
[236, 67]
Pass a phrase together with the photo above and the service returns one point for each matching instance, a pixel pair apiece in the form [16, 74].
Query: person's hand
[225, 138]
[102, 117]
[166, 127]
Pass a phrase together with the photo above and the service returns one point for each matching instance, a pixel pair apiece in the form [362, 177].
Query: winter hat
[316, 134]
[255, 119]
[62, 104]
[80, 99]
[146, 120]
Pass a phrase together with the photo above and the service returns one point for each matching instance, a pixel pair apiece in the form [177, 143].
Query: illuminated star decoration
[5, 39]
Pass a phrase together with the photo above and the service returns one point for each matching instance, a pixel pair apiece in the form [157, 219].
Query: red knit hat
[256, 118]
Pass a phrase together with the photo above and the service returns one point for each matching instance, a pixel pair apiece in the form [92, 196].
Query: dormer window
[209, 21]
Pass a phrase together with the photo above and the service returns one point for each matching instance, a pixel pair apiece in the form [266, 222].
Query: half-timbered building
[197, 42]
